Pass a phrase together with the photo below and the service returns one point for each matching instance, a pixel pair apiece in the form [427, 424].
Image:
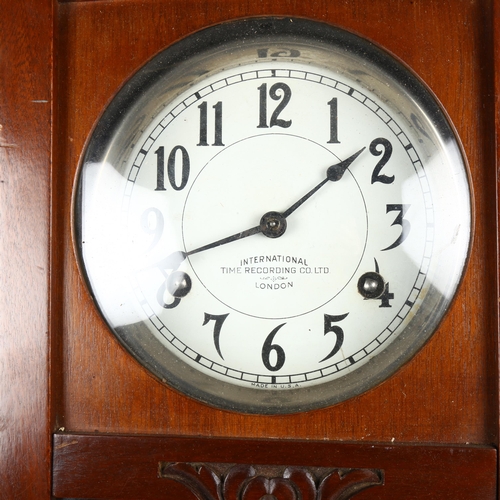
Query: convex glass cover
[273, 215]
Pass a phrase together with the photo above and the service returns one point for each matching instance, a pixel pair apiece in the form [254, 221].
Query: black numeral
[339, 333]
[387, 150]
[204, 124]
[172, 263]
[160, 295]
[160, 169]
[386, 297]
[185, 166]
[171, 168]
[399, 221]
[219, 321]
[278, 92]
[334, 128]
[269, 348]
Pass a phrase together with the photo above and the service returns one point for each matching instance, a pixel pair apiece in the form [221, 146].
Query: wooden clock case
[79, 418]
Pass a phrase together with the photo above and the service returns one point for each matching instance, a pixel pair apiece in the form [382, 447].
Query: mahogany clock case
[83, 394]
[86, 341]
[143, 129]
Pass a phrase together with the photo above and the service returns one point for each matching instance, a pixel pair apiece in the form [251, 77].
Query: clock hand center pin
[272, 224]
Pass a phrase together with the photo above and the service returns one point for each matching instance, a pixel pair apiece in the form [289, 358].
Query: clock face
[273, 215]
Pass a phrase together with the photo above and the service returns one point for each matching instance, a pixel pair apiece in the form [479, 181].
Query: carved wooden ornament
[250, 482]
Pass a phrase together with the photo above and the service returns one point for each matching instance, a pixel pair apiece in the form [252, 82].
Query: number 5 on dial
[329, 327]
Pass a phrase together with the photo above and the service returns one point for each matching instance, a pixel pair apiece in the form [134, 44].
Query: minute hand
[333, 173]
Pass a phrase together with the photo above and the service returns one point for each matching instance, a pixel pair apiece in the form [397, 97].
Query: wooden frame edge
[129, 466]
[26, 112]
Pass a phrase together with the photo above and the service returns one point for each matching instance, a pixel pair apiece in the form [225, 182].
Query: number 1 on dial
[334, 125]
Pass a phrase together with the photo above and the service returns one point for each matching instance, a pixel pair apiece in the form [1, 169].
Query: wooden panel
[127, 467]
[25, 145]
[496, 67]
[446, 393]
[449, 393]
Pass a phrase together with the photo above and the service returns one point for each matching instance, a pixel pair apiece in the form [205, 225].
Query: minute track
[334, 174]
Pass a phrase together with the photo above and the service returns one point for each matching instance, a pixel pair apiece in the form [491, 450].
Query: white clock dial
[274, 223]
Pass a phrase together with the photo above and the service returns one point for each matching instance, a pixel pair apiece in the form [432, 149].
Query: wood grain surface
[25, 153]
[129, 467]
[445, 394]
[60, 368]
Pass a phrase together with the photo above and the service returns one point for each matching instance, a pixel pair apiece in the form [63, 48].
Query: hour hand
[173, 261]
[228, 239]
[333, 173]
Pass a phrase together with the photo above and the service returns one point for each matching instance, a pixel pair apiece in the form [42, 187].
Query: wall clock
[81, 418]
[273, 215]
